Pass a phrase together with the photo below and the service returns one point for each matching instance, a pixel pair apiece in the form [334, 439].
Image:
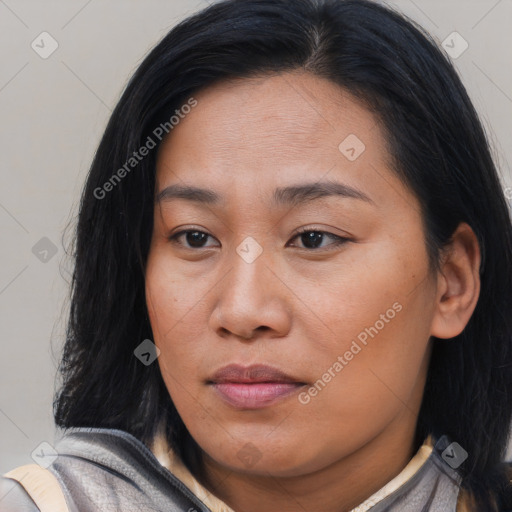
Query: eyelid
[338, 239]
[307, 229]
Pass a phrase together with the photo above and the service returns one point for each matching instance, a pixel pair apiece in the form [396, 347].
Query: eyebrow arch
[291, 195]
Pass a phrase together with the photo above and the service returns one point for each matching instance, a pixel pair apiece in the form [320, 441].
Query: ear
[458, 284]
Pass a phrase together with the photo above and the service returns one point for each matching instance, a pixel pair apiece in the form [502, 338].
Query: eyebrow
[291, 195]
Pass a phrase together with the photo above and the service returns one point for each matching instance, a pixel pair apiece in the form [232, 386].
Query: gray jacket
[110, 470]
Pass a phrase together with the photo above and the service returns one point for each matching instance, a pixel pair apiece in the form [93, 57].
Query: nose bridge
[250, 297]
[249, 271]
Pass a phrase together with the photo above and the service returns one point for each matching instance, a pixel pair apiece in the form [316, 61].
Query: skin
[294, 306]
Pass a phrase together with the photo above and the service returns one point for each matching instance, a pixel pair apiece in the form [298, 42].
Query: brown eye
[312, 239]
[194, 239]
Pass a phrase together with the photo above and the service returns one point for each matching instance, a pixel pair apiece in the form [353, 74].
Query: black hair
[439, 150]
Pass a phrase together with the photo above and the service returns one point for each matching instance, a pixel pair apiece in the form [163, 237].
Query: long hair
[438, 148]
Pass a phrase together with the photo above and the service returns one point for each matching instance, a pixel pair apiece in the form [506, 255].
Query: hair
[438, 148]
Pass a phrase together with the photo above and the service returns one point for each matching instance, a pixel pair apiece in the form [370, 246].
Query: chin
[286, 462]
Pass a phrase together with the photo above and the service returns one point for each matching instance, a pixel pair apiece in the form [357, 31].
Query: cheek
[377, 289]
[175, 302]
[177, 316]
[372, 370]
[378, 312]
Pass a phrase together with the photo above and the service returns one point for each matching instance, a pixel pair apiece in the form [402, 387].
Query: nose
[252, 298]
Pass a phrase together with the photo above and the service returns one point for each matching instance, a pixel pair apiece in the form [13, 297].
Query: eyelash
[338, 240]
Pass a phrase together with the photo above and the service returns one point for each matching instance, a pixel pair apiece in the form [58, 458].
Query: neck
[337, 488]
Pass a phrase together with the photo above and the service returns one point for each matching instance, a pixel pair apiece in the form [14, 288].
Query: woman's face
[344, 309]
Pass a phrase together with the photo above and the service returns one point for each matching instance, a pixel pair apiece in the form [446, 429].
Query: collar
[170, 460]
[406, 474]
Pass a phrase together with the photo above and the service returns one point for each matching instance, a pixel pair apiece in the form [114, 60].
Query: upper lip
[251, 374]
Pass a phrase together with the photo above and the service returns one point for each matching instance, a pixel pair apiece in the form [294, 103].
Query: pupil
[311, 237]
[194, 238]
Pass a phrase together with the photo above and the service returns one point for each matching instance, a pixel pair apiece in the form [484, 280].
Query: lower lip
[255, 396]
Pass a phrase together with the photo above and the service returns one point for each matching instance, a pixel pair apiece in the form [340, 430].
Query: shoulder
[118, 471]
[14, 498]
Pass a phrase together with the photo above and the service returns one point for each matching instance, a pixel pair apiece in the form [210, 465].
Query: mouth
[253, 387]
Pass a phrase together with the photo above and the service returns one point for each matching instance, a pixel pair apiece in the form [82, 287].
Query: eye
[312, 239]
[193, 237]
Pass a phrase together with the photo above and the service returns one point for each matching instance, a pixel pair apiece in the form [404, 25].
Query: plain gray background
[52, 114]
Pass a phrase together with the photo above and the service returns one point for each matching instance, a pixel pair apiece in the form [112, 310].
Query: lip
[253, 387]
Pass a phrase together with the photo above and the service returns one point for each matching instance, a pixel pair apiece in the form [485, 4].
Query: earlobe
[458, 284]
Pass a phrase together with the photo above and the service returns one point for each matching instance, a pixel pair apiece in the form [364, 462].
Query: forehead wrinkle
[292, 143]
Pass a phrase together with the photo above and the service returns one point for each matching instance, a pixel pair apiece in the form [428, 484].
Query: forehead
[286, 127]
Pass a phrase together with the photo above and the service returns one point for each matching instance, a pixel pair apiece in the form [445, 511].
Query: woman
[293, 279]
